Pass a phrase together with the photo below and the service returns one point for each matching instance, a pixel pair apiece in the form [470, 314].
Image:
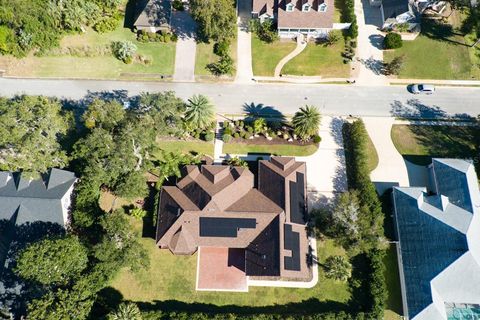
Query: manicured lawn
[372, 155]
[205, 55]
[437, 53]
[195, 146]
[171, 277]
[101, 65]
[319, 60]
[266, 56]
[394, 300]
[278, 149]
[419, 144]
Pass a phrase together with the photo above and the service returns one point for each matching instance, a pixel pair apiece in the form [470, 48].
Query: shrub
[173, 37]
[209, 136]
[221, 48]
[394, 66]
[353, 30]
[223, 66]
[317, 138]
[334, 36]
[338, 268]
[106, 24]
[248, 135]
[7, 39]
[393, 40]
[265, 31]
[226, 138]
[138, 213]
[124, 50]
[236, 135]
[227, 130]
[249, 129]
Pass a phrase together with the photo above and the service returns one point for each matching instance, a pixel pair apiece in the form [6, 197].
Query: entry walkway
[184, 27]
[369, 56]
[301, 45]
[244, 43]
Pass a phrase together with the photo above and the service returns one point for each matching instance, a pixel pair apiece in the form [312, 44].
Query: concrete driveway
[369, 57]
[326, 173]
[391, 169]
[244, 43]
[185, 28]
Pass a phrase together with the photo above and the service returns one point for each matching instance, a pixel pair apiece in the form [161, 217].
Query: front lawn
[277, 149]
[419, 144]
[205, 55]
[182, 146]
[437, 53]
[319, 60]
[88, 55]
[266, 56]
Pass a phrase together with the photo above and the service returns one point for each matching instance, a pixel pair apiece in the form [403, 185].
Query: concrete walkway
[218, 147]
[301, 79]
[184, 26]
[326, 173]
[369, 55]
[244, 43]
[465, 83]
[392, 168]
[301, 45]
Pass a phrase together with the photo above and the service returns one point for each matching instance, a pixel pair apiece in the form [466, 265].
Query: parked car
[422, 88]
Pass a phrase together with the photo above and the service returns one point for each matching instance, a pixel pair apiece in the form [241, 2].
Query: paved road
[287, 98]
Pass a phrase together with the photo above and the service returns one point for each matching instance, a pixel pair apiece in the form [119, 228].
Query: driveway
[244, 43]
[326, 173]
[369, 54]
[392, 169]
[184, 26]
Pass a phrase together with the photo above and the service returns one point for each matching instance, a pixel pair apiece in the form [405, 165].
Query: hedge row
[159, 315]
[348, 16]
[358, 175]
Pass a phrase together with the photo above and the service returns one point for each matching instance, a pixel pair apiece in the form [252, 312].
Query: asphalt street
[286, 98]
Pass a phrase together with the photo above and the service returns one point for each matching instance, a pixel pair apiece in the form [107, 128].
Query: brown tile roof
[263, 6]
[312, 19]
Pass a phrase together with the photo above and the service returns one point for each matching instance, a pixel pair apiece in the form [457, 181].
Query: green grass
[171, 277]
[266, 56]
[105, 66]
[205, 55]
[372, 155]
[419, 144]
[319, 60]
[278, 149]
[394, 300]
[437, 53]
[196, 147]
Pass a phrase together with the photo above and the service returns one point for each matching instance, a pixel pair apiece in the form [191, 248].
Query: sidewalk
[301, 79]
[433, 81]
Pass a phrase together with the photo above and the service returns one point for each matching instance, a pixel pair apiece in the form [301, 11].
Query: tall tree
[31, 128]
[306, 122]
[216, 18]
[200, 112]
[52, 261]
[126, 311]
[103, 114]
[338, 268]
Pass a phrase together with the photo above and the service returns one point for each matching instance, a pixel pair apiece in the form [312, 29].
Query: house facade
[438, 229]
[217, 208]
[312, 18]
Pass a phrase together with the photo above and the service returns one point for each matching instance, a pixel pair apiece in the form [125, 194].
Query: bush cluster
[347, 8]
[393, 41]
[225, 63]
[145, 36]
[265, 31]
[206, 134]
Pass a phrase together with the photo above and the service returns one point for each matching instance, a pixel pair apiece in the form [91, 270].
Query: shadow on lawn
[441, 32]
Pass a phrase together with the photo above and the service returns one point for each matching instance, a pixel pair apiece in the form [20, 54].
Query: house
[25, 201]
[312, 18]
[153, 15]
[395, 12]
[217, 211]
[438, 229]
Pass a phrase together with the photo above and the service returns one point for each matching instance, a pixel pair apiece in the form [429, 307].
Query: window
[322, 7]
[289, 7]
[306, 7]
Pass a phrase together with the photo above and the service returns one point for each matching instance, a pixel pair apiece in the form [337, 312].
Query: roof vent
[444, 202]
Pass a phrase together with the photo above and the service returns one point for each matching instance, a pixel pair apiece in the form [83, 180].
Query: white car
[423, 88]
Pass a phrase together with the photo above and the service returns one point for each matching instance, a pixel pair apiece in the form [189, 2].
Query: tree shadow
[108, 299]
[120, 96]
[255, 111]
[440, 32]
[376, 66]
[414, 109]
[148, 228]
[376, 40]
[132, 10]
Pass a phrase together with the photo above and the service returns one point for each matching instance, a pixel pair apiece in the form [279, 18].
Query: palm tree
[306, 122]
[200, 112]
[338, 268]
[126, 311]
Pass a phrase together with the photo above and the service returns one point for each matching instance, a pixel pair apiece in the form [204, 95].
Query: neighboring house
[153, 15]
[438, 229]
[396, 12]
[25, 201]
[215, 207]
[312, 18]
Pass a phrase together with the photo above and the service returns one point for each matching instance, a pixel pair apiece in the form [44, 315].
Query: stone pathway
[244, 43]
[301, 45]
[218, 147]
[184, 26]
[369, 55]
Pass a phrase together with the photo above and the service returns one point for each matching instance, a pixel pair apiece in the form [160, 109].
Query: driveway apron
[184, 26]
